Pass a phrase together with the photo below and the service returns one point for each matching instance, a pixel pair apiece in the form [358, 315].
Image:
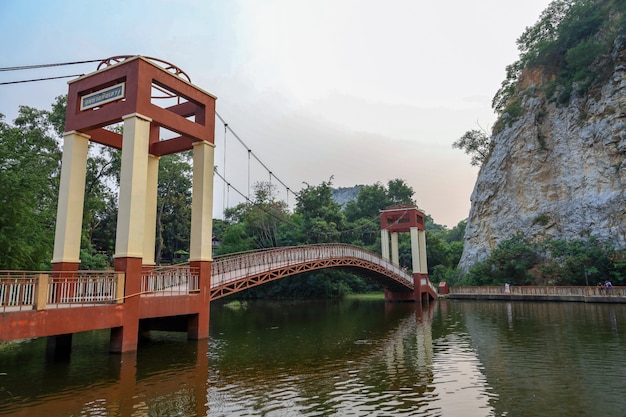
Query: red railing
[170, 280]
[28, 290]
[17, 290]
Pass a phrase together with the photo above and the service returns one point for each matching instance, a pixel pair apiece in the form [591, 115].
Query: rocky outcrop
[557, 171]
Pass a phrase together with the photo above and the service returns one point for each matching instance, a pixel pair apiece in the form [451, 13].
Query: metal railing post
[119, 289]
[41, 292]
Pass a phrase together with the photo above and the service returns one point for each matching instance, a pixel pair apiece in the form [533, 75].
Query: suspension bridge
[137, 295]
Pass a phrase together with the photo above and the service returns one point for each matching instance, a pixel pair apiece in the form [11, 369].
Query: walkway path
[536, 293]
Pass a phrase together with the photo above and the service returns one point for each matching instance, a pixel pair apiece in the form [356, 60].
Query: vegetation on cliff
[570, 45]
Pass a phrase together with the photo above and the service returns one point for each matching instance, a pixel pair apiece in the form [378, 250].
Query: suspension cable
[224, 205]
[27, 67]
[41, 79]
[250, 150]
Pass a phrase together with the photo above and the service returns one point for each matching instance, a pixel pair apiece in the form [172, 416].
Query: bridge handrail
[237, 266]
[586, 291]
[223, 266]
[174, 279]
[27, 290]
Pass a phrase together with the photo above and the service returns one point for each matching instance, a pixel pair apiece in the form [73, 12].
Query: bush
[552, 262]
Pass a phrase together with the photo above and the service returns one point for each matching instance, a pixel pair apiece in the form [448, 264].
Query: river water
[342, 358]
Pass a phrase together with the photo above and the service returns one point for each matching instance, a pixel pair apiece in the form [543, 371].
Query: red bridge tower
[148, 98]
[402, 219]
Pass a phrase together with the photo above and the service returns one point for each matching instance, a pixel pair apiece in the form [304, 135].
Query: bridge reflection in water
[62, 303]
[336, 358]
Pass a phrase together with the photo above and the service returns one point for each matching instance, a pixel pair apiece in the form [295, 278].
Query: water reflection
[555, 358]
[391, 367]
[363, 358]
[99, 384]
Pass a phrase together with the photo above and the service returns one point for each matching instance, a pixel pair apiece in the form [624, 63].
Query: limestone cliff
[556, 171]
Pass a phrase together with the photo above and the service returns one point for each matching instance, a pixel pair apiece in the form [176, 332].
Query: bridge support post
[384, 242]
[67, 237]
[198, 324]
[125, 338]
[395, 254]
[66, 256]
[151, 209]
[58, 347]
[201, 242]
[131, 225]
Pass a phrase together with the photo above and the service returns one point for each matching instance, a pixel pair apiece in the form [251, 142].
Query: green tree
[173, 219]
[321, 216]
[510, 262]
[235, 239]
[265, 215]
[399, 192]
[551, 262]
[373, 198]
[369, 201]
[29, 173]
[100, 199]
[474, 143]
[265, 220]
[575, 262]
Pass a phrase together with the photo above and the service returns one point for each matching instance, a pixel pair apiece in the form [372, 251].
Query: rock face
[344, 195]
[557, 171]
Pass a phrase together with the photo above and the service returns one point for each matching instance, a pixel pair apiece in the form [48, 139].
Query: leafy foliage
[173, 206]
[29, 170]
[474, 143]
[571, 40]
[551, 262]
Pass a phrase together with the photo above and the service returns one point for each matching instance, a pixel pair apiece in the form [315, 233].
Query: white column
[201, 243]
[71, 198]
[415, 250]
[384, 244]
[131, 215]
[423, 261]
[395, 256]
[151, 210]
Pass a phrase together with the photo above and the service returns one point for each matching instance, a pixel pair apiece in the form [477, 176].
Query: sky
[348, 91]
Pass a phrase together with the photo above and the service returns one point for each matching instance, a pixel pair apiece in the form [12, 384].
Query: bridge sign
[106, 95]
